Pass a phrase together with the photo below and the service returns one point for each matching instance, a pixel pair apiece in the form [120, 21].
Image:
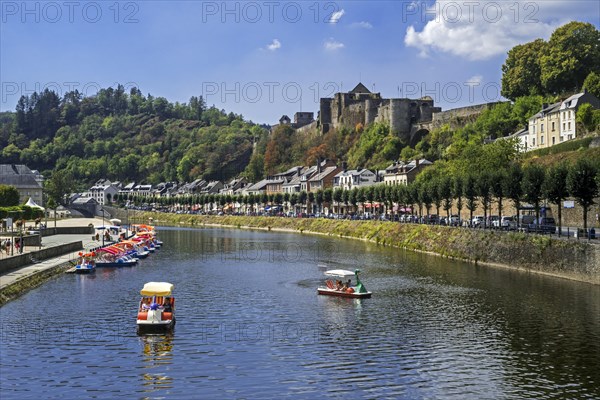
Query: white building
[354, 178]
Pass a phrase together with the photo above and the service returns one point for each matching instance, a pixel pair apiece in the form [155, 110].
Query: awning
[157, 289]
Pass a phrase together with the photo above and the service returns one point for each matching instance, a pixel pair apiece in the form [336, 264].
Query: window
[553, 128]
[570, 137]
[542, 129]
[569, 125]
[532, 141]
[553, 140]
[564, 126]
[542, 139]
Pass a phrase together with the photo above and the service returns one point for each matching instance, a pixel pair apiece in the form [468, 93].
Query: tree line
[532, 184]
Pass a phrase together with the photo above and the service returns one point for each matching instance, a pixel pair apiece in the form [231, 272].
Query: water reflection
[157, 357]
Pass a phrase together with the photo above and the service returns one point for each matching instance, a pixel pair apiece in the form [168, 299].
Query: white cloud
[477, 31]
[332, 45]
[276, 44]
[475, 80]
[335, 17]
[362, 24]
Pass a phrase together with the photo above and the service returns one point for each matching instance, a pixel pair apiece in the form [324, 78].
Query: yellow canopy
[157, 289]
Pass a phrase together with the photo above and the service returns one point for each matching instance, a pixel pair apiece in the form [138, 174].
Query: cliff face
[531, 253]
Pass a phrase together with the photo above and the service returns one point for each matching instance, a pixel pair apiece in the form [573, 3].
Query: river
[250, 325]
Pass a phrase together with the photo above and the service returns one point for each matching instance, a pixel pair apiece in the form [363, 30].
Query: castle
[360, 105]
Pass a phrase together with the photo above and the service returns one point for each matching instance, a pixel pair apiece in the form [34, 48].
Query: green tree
[533, 181]
[521, 70]
[470, 193]
[512, 185]
[555, 188]
[445, 193]
[564, 66]
[484, 191]
[457, 193]
[497, 186]
[585, 117]
[583, 185]
[592, 83]
[9, 196]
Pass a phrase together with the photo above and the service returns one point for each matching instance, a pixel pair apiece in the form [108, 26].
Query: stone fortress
[360, 105]
[410, 119]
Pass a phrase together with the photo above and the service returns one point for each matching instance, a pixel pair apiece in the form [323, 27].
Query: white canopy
[115, 221]
[157, 289]
[340, 273]
[33, 204]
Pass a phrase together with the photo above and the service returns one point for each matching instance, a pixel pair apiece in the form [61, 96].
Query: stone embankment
[577, 260]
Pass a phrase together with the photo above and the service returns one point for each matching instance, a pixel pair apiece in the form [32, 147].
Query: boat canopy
[157, 289]
[340, 273]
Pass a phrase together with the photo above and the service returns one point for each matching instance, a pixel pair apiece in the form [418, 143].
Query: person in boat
[167, 305]
[146, 304]
[338, 285]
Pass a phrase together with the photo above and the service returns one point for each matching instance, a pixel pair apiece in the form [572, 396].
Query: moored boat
[343, 283]
[86, 263]
[156, 310]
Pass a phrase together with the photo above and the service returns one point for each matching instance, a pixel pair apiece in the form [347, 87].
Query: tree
[9, 196]
[484, 190]
[592, 83]
[497, 188]
[533, 181]
[457, 193]
[564, 66]
[555, 188]
[521, 70]
[59, 186]
[425, 196]
[445, 193]
[470, 193]
[583, 185]
[585, 117]
[512, 185]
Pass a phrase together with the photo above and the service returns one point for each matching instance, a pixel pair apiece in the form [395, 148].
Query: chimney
[319, 165]
[416, 162]
[544, 106]
[344, 166]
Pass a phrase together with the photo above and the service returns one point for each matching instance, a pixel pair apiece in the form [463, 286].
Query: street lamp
[103, 225]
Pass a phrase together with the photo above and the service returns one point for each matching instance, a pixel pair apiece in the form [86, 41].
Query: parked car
[545, 225]
[527, 222]
[505, 222]
[491, 219]
[477, 221]
[454, 220]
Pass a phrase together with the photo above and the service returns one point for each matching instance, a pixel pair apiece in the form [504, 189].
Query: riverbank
[532, 253]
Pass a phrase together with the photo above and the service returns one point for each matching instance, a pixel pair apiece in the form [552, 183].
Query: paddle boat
[340, 283]
[156, 310]
[86, 263]
[114, 257]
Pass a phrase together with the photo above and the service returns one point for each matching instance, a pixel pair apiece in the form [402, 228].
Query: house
[257, 188]
[522, 135]
[27, 182]
[544, 126]
[400, 173]
[568, 112]
[233, 186]
[348, 179]
[212, 187]
[323, 179]
[104, 191]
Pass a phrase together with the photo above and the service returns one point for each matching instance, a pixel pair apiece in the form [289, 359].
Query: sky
[263, 59]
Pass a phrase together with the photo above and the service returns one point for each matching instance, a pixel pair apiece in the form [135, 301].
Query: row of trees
[532, 184]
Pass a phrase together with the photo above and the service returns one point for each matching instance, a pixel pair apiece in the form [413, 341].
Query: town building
[28, 183]
[400, 173]
[349, 179]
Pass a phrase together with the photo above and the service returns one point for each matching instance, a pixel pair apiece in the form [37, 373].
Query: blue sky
[267, 58]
